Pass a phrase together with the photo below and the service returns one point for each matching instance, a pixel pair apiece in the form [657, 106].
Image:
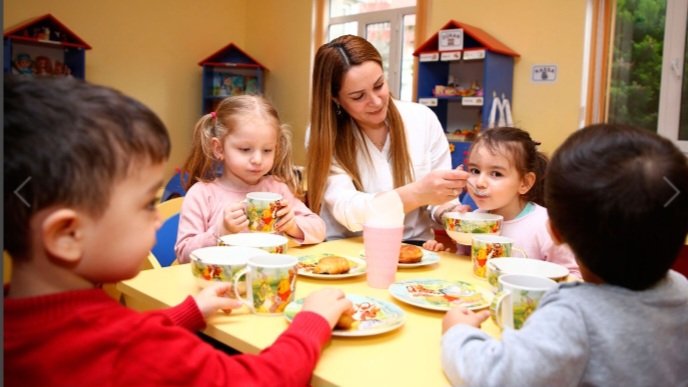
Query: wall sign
[450, 39]
[544, 73]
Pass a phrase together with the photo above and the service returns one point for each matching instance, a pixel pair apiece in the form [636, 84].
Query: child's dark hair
[67, 142]
[201, 164]
[516, 145]
[619, 197]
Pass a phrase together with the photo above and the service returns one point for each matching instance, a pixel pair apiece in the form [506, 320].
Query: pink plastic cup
[382, 245]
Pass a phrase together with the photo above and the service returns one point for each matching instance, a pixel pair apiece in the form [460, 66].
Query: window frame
[396, 19]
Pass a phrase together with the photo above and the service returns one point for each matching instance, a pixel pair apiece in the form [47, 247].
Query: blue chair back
[174, 187]
[166, 239]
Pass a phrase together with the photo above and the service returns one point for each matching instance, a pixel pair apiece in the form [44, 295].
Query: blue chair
[166, 237]
[162, 254]
[174, 188]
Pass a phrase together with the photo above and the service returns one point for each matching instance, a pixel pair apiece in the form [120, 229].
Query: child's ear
[62, 235]
[527, 183]
[216, 146]
[554, 233]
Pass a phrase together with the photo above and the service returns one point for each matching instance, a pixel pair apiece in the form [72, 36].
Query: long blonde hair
[201, 165]
[332, 130]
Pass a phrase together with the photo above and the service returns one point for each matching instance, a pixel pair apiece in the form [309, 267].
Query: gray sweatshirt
[582, 335]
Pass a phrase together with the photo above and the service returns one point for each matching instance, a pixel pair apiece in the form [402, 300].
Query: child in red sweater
[83, 165]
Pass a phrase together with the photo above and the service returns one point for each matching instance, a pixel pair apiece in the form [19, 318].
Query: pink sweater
[85, 338]
[203, 208]
[530, 234]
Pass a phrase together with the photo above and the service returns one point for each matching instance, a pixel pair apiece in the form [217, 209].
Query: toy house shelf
[229, 71]
[43, 46]
[458, 83]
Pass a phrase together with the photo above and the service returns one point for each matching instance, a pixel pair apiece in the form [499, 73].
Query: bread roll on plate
[332, 265]
[410, 254]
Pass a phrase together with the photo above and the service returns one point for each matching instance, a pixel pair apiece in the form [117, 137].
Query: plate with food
[438, 294]
[371, 316]
[414, 256]
[330, 266]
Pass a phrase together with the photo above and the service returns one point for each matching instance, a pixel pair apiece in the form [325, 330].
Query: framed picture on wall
[451, 39]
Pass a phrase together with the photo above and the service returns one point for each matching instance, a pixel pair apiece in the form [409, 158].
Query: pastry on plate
[332, 265]
[345, 322]
[410, 254]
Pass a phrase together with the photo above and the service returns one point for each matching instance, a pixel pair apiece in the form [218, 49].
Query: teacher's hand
[436, 187]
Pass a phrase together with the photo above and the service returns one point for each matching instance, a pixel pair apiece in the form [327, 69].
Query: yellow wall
[281, 37]
[542, 32]
[148, 49]
[151, 49]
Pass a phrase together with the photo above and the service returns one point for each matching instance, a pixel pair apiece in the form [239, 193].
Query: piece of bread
[345, 322]
[332, 265]
[410, 254]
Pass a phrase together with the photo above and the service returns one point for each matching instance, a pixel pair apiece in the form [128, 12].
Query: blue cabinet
[229, 71]
[459, 82]
[44, 47]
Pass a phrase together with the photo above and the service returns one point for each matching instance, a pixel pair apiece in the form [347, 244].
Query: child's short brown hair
[66, 143]
[619, 197]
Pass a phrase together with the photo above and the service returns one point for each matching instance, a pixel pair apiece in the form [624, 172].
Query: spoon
[476, 190]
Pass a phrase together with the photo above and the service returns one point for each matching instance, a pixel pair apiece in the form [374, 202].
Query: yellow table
[408, 356]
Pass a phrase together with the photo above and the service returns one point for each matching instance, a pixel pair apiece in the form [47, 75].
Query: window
[648, 73]
[636, 63]
[673, 99]
[390, 26]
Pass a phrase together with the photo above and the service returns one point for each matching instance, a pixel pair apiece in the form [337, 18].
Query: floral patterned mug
[261, 211]
[270, 283]
[486, 247]
[517, 299]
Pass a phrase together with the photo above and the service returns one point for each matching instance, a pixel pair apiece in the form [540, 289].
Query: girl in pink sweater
[241, 147]
[506, 178]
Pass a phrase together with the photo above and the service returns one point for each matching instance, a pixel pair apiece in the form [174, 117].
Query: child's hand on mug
[214, 297]
[233, 219]
[286, 222]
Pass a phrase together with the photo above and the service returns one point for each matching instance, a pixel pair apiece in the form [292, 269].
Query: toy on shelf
[474, 90]
[464, 134]
[23, 65]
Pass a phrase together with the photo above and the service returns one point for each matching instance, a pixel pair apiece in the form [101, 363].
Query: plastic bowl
[272, 243]
[460, 226]
[511, 265]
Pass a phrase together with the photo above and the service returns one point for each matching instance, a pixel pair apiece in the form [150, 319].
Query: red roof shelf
[231, 56]
[474, 37]
[46, 30]
[51, 48]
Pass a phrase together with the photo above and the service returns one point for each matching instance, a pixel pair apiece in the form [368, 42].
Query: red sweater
[85, 338]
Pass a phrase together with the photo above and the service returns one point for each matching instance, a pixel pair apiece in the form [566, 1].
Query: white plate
[438, 294]
[385, 316]
[357, 266]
